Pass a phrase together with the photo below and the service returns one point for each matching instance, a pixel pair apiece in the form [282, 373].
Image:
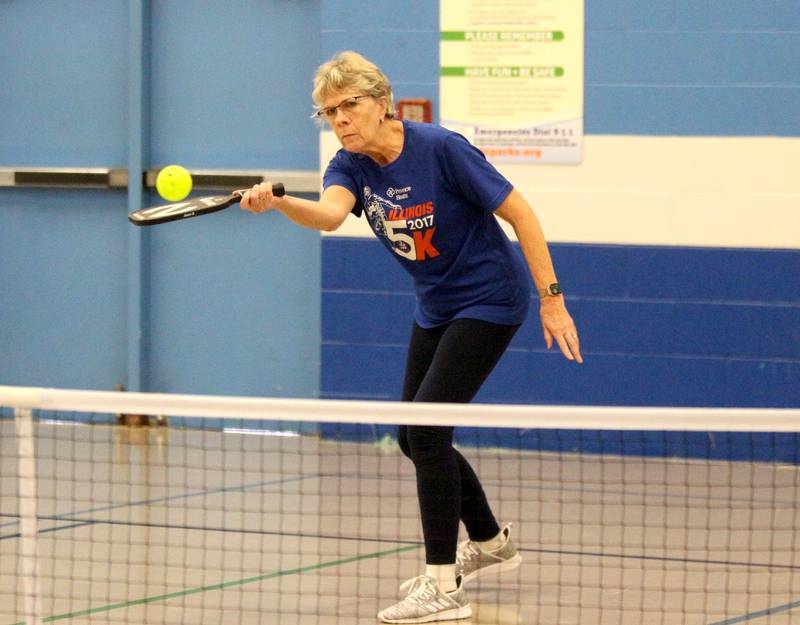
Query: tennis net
[248, 510]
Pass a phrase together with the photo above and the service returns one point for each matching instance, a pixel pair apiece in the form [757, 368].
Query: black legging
[449, 363]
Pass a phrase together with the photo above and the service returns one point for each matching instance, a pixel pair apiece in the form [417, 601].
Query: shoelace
[466, 552]
[469, 550]
[421, 589]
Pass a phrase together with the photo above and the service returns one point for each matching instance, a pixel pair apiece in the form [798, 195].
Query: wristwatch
[551, 291]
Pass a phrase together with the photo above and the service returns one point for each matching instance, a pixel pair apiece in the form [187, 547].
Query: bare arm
[556, 321]
[326, 214]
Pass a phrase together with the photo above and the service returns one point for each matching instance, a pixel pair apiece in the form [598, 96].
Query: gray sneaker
[426, 603]
[472, 561]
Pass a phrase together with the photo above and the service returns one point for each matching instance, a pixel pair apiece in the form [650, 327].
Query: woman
[431, 198]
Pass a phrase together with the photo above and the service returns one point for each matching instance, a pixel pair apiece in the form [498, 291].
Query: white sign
[512, 77]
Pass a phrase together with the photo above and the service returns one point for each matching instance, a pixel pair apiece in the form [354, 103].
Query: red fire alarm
[415, 110]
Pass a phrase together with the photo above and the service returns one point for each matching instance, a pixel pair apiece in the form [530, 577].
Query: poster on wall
[511, 77]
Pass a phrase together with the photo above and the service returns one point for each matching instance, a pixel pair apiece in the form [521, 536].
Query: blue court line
[645, 557]
[601, 491]
[560, 552]
[754, 615]
[189, 495]
[664, 496]
[230, 530]
[52, 529]
[67, 516]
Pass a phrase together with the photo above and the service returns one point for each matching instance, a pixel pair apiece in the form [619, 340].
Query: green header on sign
[508, 36]
[503, 72]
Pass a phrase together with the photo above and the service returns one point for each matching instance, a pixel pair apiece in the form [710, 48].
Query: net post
[28, 523]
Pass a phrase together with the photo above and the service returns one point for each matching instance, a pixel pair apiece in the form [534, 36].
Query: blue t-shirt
[433, 208]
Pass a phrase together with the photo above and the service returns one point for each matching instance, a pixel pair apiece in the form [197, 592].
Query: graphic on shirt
[409, 230]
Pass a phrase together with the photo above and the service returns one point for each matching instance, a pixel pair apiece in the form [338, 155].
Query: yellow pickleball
[174, 183]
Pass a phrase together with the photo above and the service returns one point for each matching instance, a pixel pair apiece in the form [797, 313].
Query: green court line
[223, 585]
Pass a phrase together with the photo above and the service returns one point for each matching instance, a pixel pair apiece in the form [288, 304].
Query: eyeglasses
[346, 106]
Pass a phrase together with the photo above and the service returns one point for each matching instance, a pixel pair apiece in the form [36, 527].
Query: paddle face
[189, 208]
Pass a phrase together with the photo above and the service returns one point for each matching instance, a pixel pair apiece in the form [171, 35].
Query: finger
[269, 196]
[574, 343]
[263, 197]
[257, 200]
[244, 203]
[548, 338]
[562, 343]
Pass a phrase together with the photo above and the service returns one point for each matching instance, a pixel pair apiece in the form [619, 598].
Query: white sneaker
[472, 560]
[426, 603]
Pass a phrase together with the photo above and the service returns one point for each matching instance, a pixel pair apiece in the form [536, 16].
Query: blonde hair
[350, 70]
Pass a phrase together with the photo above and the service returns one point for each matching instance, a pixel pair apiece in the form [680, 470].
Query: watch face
[555, 289]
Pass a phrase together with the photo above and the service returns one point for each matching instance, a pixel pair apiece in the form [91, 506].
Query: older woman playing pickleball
[431, 198]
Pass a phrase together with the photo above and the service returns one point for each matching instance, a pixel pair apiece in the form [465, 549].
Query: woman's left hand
[557, 324]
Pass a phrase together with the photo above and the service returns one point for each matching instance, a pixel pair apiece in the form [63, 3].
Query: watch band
[550, 291]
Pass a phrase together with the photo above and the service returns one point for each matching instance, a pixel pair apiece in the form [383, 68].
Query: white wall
[695, 191]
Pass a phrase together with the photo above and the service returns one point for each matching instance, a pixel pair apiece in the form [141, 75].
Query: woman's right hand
[257, 199]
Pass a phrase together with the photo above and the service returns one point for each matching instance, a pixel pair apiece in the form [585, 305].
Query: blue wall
[62, 253]
[674, 326]
[651, 68]
[693, 68]
[230, 303]
[728, 336]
